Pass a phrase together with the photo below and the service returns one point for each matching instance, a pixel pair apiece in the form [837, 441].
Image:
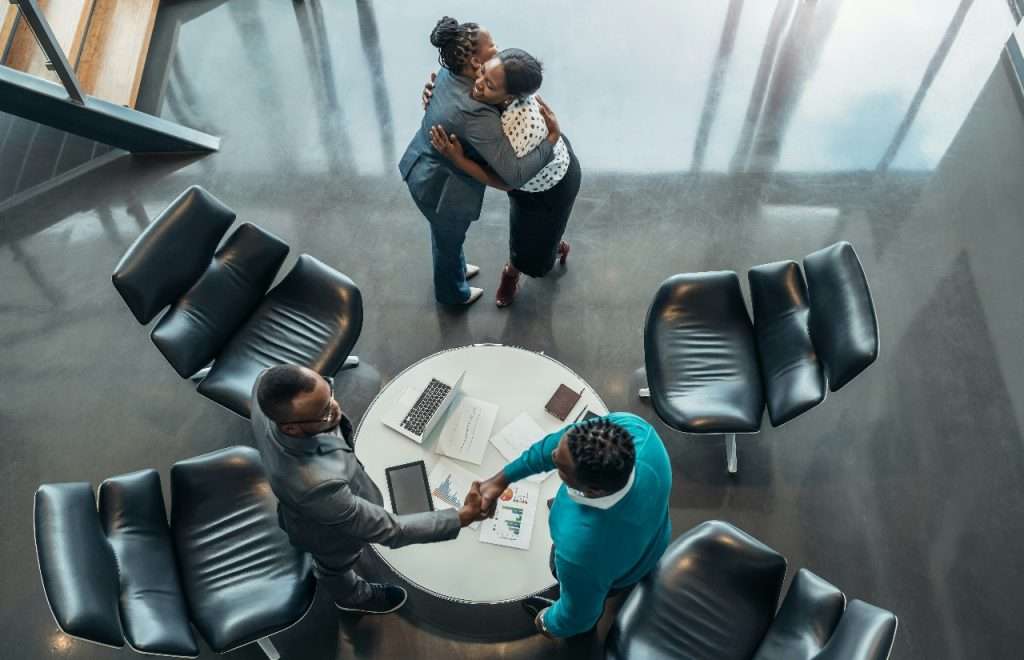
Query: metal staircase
[76, 65]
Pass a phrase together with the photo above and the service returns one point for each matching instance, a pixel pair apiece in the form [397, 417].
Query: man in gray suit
[447, 197]
[328, 505]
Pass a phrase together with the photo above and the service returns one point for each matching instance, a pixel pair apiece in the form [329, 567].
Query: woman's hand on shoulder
[554, 132]
[428, 90]
[446, 145]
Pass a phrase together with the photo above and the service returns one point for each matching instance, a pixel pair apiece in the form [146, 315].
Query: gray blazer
[433, 181]
[328, 505]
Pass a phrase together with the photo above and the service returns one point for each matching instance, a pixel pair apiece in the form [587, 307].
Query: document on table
[512, 524]
[466, 430]
[449, 485]
[516, 437]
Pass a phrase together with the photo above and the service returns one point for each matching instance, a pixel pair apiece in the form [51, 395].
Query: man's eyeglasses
[327, 415]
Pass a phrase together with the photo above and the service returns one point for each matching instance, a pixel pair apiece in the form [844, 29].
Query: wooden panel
[7, 26]
[68, 20]
[115, 49]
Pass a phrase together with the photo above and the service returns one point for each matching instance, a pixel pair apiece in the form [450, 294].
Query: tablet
[409, 489]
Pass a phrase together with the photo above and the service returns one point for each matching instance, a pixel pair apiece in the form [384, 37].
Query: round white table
[467, 570]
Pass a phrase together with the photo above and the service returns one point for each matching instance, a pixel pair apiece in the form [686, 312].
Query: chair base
[730, 453]
[268, 648]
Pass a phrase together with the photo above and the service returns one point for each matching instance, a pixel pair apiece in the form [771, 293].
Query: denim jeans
[446, 238]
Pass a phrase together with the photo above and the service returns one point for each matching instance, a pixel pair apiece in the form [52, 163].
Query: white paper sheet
[466, 430]
[512, 524]
[516, 437]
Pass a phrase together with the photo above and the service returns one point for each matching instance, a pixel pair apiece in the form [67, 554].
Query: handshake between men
[615, 471]
[482, 500]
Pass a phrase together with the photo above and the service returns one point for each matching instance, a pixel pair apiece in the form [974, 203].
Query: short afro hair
[603, 453]
[278, 388]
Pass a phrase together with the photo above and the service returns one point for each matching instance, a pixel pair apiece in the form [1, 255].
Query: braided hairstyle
[523, 72]
[603, 453]
[455, 42]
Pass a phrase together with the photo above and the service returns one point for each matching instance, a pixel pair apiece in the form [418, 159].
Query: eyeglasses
[327, 415]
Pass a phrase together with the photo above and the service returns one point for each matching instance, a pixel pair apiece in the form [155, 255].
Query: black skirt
[537, 221]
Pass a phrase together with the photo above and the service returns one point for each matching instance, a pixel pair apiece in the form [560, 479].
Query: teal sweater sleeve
[536, 459]
[581, 599]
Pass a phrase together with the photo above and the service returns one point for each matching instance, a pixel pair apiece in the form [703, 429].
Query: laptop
[418, 411]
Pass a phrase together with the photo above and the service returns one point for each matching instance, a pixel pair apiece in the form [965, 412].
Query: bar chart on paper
[449, 485]
[447, 493]
[512, 524]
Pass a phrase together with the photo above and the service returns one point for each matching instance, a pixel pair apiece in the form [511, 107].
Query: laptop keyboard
[425, 407]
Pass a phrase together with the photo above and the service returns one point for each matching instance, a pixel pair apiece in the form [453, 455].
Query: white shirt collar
[605, 501]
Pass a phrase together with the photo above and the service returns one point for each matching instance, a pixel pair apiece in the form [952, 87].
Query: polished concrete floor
[712, 136]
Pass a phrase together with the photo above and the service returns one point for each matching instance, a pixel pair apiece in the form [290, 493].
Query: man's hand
[446, 145]
[550, 119]
[490, 491]
[471, 508]
[428, 91]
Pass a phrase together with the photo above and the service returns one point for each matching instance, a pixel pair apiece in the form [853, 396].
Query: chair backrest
[712, 596]
[76, 563]
[843, 325]
[153, 611]
[865, 632]
[805, 621]
[242, 577]
[200, 323]
[793, 378]
[171, 253]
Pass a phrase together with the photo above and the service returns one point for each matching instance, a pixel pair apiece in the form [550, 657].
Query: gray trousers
[342, 583]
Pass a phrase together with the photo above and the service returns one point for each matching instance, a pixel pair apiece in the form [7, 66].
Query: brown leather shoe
[507, 286]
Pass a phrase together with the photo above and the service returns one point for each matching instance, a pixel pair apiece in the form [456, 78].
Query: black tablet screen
[407, 485]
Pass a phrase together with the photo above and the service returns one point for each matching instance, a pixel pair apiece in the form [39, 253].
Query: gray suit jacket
[433, 181]
[329, 506]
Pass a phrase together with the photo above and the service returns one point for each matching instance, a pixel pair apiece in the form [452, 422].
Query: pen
[584, 410]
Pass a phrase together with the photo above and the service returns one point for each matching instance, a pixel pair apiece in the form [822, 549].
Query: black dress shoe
[386, 598]
[534, 604]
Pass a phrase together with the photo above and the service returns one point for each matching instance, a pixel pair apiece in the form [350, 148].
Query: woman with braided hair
[447, 196]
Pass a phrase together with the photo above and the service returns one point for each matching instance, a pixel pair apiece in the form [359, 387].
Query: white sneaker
[472, 271]
[474, 295]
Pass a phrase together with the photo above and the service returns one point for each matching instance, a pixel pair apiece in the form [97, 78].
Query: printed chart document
[449, 484]
[466, 430]
[512, 524]
[516, 437]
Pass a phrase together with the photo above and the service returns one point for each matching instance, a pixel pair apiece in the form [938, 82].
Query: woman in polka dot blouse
[540, 208]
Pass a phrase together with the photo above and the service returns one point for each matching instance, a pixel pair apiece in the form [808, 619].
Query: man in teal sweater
[609, 520]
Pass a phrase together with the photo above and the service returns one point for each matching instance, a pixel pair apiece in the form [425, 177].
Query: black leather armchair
[220, 310]
[701, 360]
[710, 370]
[120, 574]
[713, 596]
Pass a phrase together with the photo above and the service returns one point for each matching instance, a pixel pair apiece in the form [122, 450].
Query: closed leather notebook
[562, 402]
